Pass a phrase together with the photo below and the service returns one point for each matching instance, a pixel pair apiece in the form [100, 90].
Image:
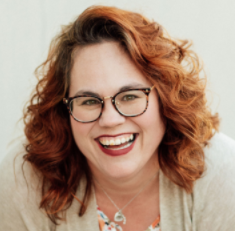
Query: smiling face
[131, 142]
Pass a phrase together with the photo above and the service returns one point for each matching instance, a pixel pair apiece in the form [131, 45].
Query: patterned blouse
[108, 225]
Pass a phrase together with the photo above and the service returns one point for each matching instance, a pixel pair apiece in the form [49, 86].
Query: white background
[27, 27]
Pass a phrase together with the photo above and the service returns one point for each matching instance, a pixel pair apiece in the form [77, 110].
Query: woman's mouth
[118, 145]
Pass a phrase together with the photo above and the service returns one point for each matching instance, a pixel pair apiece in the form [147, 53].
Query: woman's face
[104, 69]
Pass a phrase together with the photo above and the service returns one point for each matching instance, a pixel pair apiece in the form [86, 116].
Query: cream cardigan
[211, 206]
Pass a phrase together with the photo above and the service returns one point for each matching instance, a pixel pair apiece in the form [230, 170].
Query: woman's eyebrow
[91, 93]
[85, 92]
[131, 86]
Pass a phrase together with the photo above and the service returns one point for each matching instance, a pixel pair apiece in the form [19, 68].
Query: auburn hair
[167, 63]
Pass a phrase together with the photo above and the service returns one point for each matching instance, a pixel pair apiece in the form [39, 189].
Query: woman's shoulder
[219, 159]
[213, 193]
[16, 172]
[221, 150]
[20, 196]
[20, 193]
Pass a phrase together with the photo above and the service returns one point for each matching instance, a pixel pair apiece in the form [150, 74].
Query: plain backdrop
[27, 27]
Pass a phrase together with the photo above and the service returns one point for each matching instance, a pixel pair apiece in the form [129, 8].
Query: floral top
[108, 225]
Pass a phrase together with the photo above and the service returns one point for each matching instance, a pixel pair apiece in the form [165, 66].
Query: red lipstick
[119, 152]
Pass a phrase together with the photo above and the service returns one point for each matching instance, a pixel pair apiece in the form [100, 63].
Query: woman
[119, 136]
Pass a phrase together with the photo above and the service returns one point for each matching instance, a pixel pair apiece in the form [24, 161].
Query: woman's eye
[129, 97]
[91, 102]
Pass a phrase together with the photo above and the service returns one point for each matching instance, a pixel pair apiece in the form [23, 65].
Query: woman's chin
[116, 172]
[122, 169]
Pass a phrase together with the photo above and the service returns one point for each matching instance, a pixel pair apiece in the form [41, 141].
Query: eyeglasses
[129, 103]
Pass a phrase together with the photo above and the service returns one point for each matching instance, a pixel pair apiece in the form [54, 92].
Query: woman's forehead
[102, 66]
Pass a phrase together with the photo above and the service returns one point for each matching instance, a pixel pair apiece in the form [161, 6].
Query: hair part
[169, 64]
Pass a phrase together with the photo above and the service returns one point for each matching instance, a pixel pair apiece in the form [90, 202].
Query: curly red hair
[167, 63]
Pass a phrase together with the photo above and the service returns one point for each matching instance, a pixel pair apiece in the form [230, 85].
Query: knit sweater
[210, 207]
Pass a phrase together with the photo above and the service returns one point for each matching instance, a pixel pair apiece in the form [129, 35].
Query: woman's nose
[110, 116]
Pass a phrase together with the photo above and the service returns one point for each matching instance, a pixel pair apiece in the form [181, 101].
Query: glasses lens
[131, 103]
[85, 109]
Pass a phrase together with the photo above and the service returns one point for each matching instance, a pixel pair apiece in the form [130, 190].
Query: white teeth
[117, 142]
[111, 142]
[123, 140]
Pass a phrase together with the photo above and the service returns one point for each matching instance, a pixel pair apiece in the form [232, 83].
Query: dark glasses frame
[146, 91]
